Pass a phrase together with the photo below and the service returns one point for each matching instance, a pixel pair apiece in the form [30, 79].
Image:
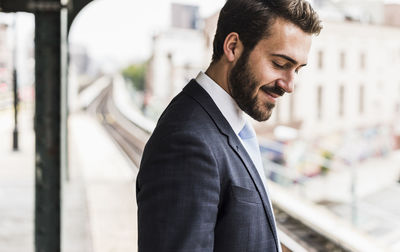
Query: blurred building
[17, 44]
[392, 14]
[185, 16]
[177, 57]
[6, 64]
[177, 54]
[209, 29]
[351, 81]
[80, 58]
[366, 11]
[5, 58]
[25, 55]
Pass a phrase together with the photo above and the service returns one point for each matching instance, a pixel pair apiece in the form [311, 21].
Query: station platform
[17, 183]
[98, 193]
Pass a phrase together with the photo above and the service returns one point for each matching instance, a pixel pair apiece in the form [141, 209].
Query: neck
[218, 72]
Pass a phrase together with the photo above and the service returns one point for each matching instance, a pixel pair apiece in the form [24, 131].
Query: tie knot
[247, 132]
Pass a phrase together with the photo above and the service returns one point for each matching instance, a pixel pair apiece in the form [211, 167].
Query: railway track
[131, 139]
[309, 239]
[128, 136]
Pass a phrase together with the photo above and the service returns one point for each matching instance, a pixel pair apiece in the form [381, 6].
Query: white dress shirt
[225, 103]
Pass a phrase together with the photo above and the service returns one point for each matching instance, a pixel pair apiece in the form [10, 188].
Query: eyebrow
[294, 62]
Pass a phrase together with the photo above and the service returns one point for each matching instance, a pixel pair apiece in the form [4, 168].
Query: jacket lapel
[194, 90]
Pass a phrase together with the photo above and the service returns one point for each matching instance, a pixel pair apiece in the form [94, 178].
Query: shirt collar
[225, 103]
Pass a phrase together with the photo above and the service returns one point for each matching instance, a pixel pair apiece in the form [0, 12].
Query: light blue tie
[249, 140]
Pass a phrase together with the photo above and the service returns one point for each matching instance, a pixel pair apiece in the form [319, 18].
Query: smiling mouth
[273, 92]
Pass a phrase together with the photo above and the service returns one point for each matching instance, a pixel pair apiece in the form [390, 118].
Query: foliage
[328, 156]
[136, 73]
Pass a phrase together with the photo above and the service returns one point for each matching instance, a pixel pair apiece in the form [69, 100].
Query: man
[201, 185]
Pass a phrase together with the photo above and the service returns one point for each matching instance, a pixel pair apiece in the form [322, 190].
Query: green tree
[328, 156]
[136, 73]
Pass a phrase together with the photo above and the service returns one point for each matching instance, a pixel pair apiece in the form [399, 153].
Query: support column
[48, 129]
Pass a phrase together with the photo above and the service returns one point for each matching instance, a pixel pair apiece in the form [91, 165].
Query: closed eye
[285, 66]
[277, 65]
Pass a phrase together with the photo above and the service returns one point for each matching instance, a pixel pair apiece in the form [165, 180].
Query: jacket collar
[194, 90]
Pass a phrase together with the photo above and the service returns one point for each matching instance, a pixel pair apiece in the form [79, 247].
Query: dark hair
[251, 19]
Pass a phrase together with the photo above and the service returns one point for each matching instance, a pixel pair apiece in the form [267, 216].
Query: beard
[243, 87]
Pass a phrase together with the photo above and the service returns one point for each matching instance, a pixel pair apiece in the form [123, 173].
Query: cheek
[263, 73]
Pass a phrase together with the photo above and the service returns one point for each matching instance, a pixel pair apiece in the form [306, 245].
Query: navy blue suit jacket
[197, 188]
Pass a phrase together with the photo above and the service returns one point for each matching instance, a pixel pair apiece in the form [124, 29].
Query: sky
[121, 30]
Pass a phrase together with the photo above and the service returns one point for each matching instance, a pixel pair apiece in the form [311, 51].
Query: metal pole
[64, 91]
[15, 86]
[48, 128]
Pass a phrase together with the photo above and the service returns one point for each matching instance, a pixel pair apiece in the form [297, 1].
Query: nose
[286, 82]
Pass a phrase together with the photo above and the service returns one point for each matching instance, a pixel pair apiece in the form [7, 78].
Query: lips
[271, 91]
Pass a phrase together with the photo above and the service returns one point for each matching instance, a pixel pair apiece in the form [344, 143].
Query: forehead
[288, 39]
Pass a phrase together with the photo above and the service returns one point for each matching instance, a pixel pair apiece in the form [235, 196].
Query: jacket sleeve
[177, 193]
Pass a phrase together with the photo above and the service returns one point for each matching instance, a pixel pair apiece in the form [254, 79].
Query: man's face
[261, 76]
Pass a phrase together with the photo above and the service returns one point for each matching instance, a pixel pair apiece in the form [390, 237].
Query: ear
[233, 47]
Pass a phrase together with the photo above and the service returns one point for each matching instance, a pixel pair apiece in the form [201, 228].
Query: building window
[320, 59]
[342, 60]
[362, 61]
[341, 100]
[362, 99]
[319, 102]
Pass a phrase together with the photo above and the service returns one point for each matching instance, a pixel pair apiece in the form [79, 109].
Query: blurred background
[331, 149]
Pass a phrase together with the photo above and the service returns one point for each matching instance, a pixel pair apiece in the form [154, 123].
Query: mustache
[274, 89]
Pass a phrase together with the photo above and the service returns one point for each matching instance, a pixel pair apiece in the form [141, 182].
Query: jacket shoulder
[184, 114]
